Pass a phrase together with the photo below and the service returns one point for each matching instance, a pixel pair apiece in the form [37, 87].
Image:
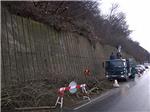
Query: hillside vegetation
[84, 18]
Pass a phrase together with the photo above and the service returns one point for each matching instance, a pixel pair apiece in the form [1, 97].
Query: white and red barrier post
[62, 90]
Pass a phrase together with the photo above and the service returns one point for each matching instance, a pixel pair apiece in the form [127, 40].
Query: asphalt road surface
[133, 96]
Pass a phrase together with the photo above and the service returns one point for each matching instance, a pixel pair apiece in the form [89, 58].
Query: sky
[137, 16]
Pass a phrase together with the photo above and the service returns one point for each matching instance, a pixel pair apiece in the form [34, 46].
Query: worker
[119, 56]
[112, 56]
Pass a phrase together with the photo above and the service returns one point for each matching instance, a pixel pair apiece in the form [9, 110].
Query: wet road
[133, 96]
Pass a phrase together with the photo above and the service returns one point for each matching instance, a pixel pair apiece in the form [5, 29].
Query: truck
[117, 67]
[120, 69]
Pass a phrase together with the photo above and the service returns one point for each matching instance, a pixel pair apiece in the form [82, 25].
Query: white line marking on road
[102, 97]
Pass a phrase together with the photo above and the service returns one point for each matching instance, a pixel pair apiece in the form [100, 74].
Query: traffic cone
[116, 83]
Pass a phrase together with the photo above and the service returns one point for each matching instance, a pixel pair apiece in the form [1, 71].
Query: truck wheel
[110, 79]
[132, 77]
[126, 78]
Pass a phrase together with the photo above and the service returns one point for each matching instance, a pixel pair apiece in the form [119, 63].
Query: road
[133, 96]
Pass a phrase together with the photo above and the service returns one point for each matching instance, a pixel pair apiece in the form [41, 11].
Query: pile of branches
[29, 95]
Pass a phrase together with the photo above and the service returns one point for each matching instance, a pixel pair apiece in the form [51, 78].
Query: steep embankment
[40, 56]
[32, 51]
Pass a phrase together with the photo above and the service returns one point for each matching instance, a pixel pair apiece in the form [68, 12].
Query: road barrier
[63, 89]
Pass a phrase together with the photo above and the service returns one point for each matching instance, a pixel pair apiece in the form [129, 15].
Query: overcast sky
[137, 16]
